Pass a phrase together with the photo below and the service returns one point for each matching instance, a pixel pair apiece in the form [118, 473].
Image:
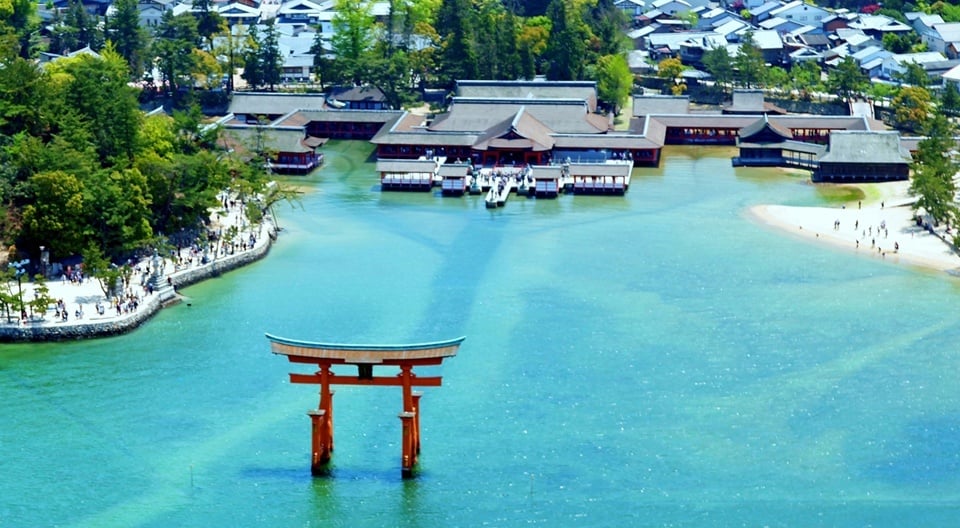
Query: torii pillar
[365, 357]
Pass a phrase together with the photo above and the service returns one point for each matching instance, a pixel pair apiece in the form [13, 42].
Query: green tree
[23, 93]
[458, 54]
[718, 62]
[107, 275]
[128, 38]
[805, 79]
[895, 43]
[566, 48]
[933, 171]
[262, 61]
[911, 107]
[914, 75]
[670, 70]
[607, 25]
[209, 21]
[18, 28]
[118, 211]
[614, 81]
[99, 93]
[749, 63]
[847, 80]
[176, 38]
[776, 77]
[41, 297]
[950, 98]
[353, 40]
[55, 217]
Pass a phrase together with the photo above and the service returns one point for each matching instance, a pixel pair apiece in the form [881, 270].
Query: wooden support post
[326, 404]
[319, 449]
[409, 460]
[408, 416]
[416, 421]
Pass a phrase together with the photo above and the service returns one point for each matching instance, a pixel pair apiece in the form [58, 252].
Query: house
[664, 45]
[923, 23]
[692, 50]
[151, 11]
[769, 144]
[762, 11]
[238, 13]
[671, 7]
[877, 26]
[871, 59]
[748, 102]
[895, 65]
[801, 12]
[290, 149]
[770, 44]
[945, 38]
[358, 98]
[863, 156]
[249, 107]
[631, 8]
[300, 12]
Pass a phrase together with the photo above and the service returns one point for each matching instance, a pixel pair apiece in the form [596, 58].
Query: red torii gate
[365, 357]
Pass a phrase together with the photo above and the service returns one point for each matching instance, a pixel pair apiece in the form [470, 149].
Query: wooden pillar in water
[322, 425]
[416, 421]
[408, 417]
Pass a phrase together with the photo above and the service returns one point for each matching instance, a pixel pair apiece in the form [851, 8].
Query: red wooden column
[322, 424]
[409, 419]
[416, 421]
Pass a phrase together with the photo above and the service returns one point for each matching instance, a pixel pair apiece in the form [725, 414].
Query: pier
[610, 177]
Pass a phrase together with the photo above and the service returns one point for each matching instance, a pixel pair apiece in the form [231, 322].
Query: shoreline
[884, 228]
[95, 326]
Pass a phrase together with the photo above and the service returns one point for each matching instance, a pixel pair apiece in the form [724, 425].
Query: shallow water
[650, 360]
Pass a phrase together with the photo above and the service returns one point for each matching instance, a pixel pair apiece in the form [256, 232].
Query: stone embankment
[48, 329]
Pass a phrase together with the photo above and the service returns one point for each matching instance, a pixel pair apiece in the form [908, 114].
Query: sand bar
[884, 228]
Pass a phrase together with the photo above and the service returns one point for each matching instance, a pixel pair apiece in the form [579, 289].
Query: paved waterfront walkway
[80, 300]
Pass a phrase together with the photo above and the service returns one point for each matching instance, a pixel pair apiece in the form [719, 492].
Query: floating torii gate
[365, 357]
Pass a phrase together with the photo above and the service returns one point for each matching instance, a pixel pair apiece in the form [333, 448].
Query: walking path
[90, 313]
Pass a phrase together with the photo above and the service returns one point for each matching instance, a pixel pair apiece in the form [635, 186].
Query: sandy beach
[884, 228]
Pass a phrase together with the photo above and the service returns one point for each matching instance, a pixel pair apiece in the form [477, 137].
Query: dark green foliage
[566, 51]
[719, 63]
[100, 175]
[128, 38]
[177, 37]
[749, 63]
[847, 80]
[933, 171]
[262, 61]
[950, 98]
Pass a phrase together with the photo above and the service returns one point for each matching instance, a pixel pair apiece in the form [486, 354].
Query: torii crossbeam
[365, 357]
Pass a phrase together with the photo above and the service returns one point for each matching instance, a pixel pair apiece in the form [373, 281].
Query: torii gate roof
[364, 353]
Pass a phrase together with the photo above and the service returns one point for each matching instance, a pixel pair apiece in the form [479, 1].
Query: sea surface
[657, 359]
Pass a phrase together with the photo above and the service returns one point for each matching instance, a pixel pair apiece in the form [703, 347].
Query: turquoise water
[652, 360]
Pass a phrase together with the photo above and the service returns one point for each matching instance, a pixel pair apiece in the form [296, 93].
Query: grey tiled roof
[582, 90]
[660, 104]
[285, 139]
[600, 169]
[474, 115]
[405, 165]
[261, 103]
[866, 147]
